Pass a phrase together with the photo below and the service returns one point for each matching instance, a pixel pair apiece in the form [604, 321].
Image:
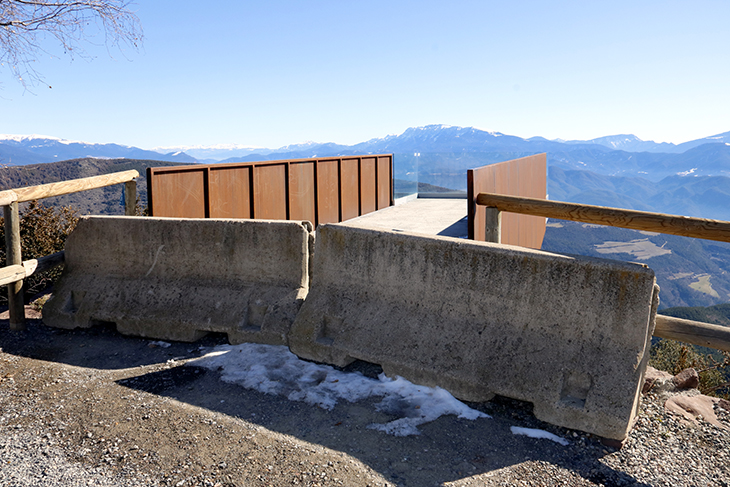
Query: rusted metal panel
[179, 193]
[349, 184]
[302, 191]
[519, 177]
[230, 192]
[368, 193]
[269, 195]
[385, 188]
[328, 192]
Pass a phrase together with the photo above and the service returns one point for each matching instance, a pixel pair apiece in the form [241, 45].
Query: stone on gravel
[656, 380]
[694, 407]
[687, 379]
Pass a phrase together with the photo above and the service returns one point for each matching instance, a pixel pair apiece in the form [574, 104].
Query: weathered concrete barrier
[177, 279]
[569, 334]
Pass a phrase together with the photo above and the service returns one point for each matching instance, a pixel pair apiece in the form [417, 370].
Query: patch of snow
[687, 173]
[21, 138]
[273, 369]
[536, 433]
[493, 133]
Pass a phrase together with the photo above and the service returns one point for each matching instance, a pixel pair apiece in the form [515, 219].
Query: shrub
[43, 231]
[673, 357]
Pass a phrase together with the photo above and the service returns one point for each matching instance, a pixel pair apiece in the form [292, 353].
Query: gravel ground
[95, 408]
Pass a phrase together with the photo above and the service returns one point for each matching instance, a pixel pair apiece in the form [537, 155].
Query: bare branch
[715, 388]
[25, 23]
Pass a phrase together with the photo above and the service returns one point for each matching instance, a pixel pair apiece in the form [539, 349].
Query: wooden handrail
[15, 273]
[65, 187]
[695, 332]
[615, 217]
[9, 199]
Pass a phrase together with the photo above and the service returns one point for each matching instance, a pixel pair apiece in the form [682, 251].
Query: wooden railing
[695, 332]
[16, 269]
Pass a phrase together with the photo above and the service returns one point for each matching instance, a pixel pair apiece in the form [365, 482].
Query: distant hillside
[690, 272]
[103, 201]
[699, 196]
[718, 315]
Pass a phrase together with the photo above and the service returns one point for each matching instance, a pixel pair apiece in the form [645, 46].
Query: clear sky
[272, 73]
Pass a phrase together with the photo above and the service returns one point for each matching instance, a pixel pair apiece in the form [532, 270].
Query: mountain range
[692, 178]
[612, 155]
[19, 150]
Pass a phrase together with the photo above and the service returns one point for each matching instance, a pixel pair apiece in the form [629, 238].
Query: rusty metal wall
[519, 177]
[326, 190]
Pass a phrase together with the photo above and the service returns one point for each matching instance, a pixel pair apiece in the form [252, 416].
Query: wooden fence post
[16, 305]
[493, 227]
[130, 198]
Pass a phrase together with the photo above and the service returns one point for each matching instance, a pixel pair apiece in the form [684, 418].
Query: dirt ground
[134, 409]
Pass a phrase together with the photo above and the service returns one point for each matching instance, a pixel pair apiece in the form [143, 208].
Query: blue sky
[273, 73]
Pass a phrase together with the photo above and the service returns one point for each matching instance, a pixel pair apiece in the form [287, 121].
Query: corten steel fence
[696, 332]
[323, 190]
[16, 269]
[519, 177]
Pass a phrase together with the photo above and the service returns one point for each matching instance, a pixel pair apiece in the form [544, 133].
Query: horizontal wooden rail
[695, 332]
[15, 273]
[9, 199]
[615, 217]
[65, 187]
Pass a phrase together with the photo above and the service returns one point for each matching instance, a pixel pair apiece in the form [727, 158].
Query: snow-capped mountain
[16, 150]
[629, 143]
[211, 153]
[444, 149]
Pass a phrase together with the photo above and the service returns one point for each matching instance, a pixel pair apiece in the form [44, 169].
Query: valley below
[690, 272]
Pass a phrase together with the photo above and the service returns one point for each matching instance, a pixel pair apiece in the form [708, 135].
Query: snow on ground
[275, 370]
[536, 433]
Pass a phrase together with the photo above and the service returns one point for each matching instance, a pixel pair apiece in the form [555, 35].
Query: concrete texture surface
[177, 279]
[569, 334]
[432, 216]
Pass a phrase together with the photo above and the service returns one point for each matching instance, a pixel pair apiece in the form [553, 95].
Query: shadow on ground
[447, 449]
[100, 347]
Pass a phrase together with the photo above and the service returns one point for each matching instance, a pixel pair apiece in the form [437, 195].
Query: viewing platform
[431, 216]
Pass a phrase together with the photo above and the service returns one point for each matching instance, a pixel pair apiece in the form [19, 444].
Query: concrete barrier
[177, 279]
[569, 334]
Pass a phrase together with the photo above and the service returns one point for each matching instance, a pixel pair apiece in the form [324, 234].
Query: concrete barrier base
[177, 279]
[569, 334]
